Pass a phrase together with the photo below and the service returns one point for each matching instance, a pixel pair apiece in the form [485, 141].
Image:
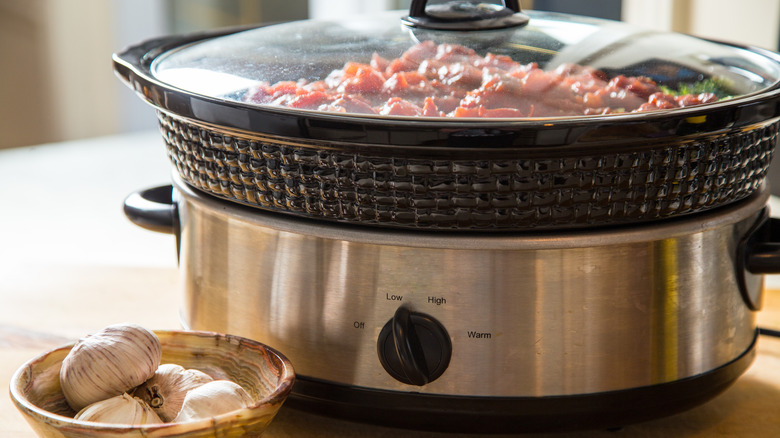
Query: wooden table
[70, 264]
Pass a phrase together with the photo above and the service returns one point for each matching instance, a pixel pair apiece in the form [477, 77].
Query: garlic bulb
[211, 399]
[109, 363]
[165, 391]
[121, 409]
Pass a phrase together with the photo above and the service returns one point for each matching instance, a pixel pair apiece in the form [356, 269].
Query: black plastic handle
[762, 252]
[153, 209]
[758, 253]
[461, 15]
[407, 344]
[417, 8]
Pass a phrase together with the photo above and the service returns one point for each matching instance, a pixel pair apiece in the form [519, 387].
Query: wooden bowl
[263, 372]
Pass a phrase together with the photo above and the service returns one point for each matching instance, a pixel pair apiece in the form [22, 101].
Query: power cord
[769, 332]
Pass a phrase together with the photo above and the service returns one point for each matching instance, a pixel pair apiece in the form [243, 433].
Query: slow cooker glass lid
[332, 66]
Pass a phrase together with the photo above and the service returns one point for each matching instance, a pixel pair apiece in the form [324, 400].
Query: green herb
[718, 87]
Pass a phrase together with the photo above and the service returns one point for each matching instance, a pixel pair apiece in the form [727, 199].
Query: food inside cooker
[449, 80]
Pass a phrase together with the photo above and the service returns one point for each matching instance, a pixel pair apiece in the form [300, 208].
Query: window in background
[341, 8]
[610, 9]
[137, 20]
[23, 119]
[192, 15]
[60, 85]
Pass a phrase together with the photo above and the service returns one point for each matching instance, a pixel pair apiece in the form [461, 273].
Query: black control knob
[414, 347]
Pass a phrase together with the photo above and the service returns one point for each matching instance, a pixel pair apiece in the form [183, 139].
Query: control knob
[413, 347]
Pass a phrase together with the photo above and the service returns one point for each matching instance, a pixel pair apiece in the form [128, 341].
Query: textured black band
[501, 191]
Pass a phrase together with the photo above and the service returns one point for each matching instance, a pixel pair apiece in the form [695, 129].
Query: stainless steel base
[529, 314]
[605, 410]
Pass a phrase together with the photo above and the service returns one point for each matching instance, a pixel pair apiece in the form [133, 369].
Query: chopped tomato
[642, 87]
[662, 101]
[430, 109]
[481, 111]
[400, 83]
[283, 88]
[353, 104]
[537, 82]
[379, 63]
[460, 74]
[400, 64]
[420, 52]
[364, 80]
[450, 80]
[690, 99]
[258, 94]
[502, 62]
[400, 107]
[310, 100]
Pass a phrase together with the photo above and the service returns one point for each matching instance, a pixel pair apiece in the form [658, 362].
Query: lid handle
[460, 15]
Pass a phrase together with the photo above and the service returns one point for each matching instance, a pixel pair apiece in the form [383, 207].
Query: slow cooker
[469, 217]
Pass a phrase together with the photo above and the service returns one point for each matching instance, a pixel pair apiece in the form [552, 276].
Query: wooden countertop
[71, 264]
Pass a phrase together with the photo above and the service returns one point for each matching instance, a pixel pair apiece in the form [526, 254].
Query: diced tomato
[352, 68]
[455, 53]
[379, 63]
[353, 104]
[283, 88]
[310, 100]
[446, 104]
[537, 82]
[316, 86]
[642, 87]
[646, 107]
[400, 107]
[707, 97]
[593, 100]
[365, 80]
[662, 101]
[430, 68]
[481, 111]
[597, 111]
[282, 93]
[396, 82]
[466, 112]
[502, 112]
[332, 109]
[259, 94]
[460, 74]
[400, 64]
[401, 83]
[691, 100]
[420, 52]
[430, 109]
[502, 62]
[521, 70]
[496, 92]
[451, 80]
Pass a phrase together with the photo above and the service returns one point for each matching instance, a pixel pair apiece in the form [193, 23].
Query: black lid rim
[133, 66]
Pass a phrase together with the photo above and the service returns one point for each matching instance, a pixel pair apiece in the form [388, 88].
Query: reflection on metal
[668, 302]
[528, 314]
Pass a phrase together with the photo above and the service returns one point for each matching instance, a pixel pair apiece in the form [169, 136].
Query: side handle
[757, 254]
[762, 254]
[153, 209]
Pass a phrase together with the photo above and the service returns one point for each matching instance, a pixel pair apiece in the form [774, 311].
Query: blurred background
[57, 83]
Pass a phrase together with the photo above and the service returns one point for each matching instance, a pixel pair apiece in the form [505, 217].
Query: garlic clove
[165, 391]
[212, 399]
[109, 363]
[122, 409]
